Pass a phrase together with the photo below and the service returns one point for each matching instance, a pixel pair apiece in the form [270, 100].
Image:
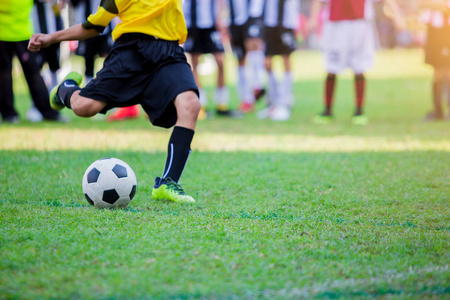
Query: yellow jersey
[162, 19]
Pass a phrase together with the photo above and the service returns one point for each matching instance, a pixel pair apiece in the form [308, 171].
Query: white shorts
[348, 44]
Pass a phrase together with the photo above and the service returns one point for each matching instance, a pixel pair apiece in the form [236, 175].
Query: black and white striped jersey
[200, 13]
[282, 13]
[46, 17]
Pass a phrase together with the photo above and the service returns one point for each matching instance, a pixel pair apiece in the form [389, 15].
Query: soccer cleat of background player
[124, 113]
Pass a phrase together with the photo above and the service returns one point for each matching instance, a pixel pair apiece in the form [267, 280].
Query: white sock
[245, 93]
[273, 89]
[256, 61]
[222, 96]
[203, 97]
[286, 94]
[54, 77]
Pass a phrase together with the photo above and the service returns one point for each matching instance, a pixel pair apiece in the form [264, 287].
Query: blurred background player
[46, 15]
[246, 29]
[348, 42]
[280, 20]
[16, 28]
[437, 52]
[205, 31]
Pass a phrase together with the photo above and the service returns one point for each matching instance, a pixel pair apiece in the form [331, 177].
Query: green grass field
[287, 210]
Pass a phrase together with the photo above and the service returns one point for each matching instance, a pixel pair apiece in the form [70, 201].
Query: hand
[38, 41]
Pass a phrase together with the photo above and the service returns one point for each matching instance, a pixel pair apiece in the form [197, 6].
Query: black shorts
[50, 55]
[203, 41]
[254, 28]
[437, 48]
[279, 40]
[143, 70]
[238, 36]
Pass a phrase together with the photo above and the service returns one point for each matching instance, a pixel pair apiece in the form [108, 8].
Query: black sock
[66, 90]
[178, 152]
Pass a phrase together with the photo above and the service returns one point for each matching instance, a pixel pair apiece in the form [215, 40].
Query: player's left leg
[438, 85]
[447, 90]
[282, 110]
[273, 93]
[359, 118]
[222, 95]
[179, 149]
[67, 94]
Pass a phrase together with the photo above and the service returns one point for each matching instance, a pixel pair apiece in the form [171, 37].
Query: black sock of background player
[178, 152]
[65, 91]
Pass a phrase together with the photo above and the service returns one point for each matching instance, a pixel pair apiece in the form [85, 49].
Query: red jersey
[340, 10]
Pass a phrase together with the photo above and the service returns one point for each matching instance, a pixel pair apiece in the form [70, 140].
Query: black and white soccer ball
[108, 183]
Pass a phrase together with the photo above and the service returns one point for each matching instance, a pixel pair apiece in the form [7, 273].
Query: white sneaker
[264, 113]
[34, 115]
[280, 113]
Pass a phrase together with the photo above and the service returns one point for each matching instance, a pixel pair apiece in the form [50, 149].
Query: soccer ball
[108, 183]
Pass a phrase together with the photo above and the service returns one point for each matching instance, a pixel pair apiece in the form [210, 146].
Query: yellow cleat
[167, 189]
[360, 120]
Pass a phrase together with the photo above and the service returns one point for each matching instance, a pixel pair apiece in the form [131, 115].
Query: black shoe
[259, 93]
[12, 119]
[58, 118]
[235, 114]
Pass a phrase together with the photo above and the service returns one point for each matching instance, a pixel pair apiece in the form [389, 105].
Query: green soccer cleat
[167, 189]
[360, 120]
[323, 119]
[55, 102]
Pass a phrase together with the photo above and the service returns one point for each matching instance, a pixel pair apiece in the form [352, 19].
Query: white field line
[152, 141]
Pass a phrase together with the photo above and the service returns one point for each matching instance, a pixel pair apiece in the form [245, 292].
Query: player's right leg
[179, 149]
[326, 117]
[438, 82]
[67, 95]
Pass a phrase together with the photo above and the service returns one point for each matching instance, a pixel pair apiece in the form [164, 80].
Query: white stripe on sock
[170, 162]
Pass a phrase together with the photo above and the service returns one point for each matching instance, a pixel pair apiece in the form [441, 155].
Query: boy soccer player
[146, 66]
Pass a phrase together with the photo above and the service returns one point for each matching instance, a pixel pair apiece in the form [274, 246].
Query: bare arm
[396, 14]
[313, 20]
[76, 32]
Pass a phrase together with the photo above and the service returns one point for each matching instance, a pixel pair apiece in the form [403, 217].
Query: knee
[188, 105]
[82, 107]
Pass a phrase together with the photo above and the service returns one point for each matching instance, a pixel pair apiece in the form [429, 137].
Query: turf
[286, 210]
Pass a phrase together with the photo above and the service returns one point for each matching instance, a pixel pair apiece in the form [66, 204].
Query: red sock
[360, 85]
[329, 92]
